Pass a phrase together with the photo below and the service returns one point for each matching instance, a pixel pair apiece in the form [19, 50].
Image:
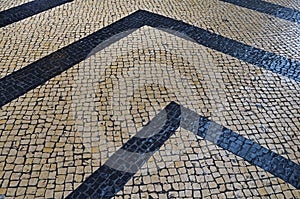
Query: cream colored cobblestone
[80, 18]
[55, 136]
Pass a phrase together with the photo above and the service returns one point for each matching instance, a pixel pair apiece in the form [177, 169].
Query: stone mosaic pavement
[143, 104]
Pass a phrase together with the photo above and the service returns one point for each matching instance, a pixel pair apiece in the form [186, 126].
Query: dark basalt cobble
[29, 9]
[153, 143]
[103, 183]
[107, 181]
[37, 73]
[272, 94]
[249, 151]
[282, 12]
[267, 60]
[254, 154]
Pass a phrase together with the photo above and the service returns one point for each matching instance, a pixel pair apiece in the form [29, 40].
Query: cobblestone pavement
[187, 99]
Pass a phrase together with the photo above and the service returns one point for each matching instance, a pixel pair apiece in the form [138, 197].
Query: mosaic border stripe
[282, 12]
[26, 10]
[123, 164]
[261, 58]
[111, 177]
[250, 151]
[20, 82]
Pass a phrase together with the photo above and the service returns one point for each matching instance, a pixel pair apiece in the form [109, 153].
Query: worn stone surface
[56, 135]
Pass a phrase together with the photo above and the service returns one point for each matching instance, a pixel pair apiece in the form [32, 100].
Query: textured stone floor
[56, 134]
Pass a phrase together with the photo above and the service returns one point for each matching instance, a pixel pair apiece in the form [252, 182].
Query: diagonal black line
[153, 143]
[264, 59]
[282, 12]
[250, 151]
[37, 73]
[33, 75]
[107, 181]
[23, 11]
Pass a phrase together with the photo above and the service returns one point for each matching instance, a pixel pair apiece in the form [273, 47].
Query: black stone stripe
[106, 181]
[282, 12]
[29, 9]
[267, 60]
[153, 143]
[37, 73]
[252, 152]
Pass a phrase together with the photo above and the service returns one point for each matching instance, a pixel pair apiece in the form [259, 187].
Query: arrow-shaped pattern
[37, 73]
[125, 162]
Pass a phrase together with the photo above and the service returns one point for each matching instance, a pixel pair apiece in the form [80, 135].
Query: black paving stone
[256, 155]
[152, 144]
[23, 11]
[106, 181]
[282, 12]
[61, 60]
[267, 60]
